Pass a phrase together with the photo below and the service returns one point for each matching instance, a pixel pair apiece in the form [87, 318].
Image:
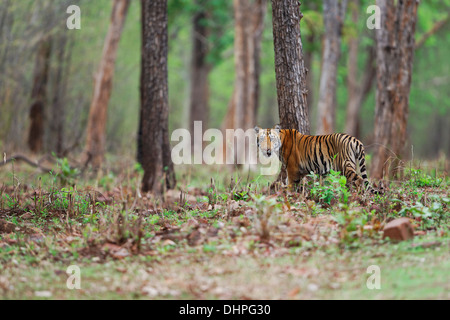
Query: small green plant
[241, 195]
[429, 216]
[351, 225]
[419, 179]
[138, 168]
[267, 210]
[332, 188]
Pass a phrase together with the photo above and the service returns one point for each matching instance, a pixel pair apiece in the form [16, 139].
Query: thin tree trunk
[56, 140]
[395, 53]
[249, 25]
[309, 56]
[200, 68]
[334, 15]
[359, 94]
[353, 88]
[358, 88]
[96, 131]
[39, 96]
[155, 146]
[290, 66]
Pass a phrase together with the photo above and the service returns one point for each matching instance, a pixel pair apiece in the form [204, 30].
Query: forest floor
[220, 235]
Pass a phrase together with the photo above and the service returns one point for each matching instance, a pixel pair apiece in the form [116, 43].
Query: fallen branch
[19, 157]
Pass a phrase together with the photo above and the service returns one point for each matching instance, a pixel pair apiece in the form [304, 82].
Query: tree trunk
[249, 25]
[154, 141]
[200, 68]
[395, 52]
[309, 56]
[358, 87]
[96, 131]
[290, 70]
[289, 66]
[39, 96]
[199, 107]
[56, 137]
[333, 15]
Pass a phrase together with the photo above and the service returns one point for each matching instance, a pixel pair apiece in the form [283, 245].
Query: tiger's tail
[363, 170]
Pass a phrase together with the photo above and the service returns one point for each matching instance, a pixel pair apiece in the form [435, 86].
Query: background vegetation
[428, 119]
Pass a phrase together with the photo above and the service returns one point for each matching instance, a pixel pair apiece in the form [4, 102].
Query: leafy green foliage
[420, 179]
[68, 173]
[333, 187]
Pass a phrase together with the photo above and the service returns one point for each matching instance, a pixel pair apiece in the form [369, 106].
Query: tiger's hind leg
[353, 179]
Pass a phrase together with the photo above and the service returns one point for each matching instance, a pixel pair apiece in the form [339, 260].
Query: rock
[43, 294]
[122, 253]
[399, 230]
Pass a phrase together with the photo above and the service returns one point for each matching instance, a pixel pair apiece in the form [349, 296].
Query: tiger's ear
[278, 128]
[257, 129]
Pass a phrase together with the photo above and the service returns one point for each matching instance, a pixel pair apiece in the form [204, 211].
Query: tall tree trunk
[395, 53]
[333, 15]
[290, 66]
[39, 95]
[309, 56]
[56, 139]
[155, 146]
[96, 130]
[353, 88]
[359, 86]
[249, 25]
[200, 68]
[290, 70]
[359, 94]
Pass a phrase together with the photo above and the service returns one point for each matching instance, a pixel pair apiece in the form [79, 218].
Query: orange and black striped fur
[302, 154]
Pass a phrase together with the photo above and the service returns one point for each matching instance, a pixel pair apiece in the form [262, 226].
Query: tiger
[302, 154]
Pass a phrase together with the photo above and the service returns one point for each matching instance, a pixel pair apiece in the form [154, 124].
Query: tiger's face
[268, 140]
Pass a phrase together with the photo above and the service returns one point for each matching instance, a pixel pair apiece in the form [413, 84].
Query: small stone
[122, 253]
[43, 294]
[313, 287]
[399, 230]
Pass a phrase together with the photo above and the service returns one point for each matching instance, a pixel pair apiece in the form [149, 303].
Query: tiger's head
[268, 140]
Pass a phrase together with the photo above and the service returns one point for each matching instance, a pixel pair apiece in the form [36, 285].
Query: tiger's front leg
[293, 179]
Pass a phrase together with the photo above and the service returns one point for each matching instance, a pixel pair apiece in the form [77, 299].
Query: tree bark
[39, 96]
[290, 70]
[154, 141]
[290, 66]
[395, 53]
[333, 15]
[96, 130]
